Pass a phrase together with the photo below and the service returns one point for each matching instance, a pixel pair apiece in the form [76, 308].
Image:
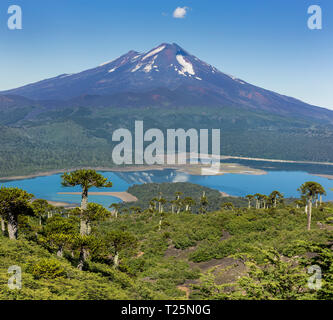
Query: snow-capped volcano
[165, 75]
[166, 66]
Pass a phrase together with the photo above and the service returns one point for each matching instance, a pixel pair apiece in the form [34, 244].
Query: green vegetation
[40, 142]
[189, 193]
[256, 249]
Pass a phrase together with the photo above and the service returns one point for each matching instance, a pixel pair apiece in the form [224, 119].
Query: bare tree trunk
[88, 228]
[3, 226]
[12, 226]
[84, 204]
[309, 213]
[306, 209]
[160, 224]
[249, 205]
[60, 251]
[84, 200]
[116, 260]
[83, 227]
[40, 220]
[83, 257]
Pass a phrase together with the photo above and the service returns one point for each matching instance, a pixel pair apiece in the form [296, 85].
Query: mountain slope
[168, 75]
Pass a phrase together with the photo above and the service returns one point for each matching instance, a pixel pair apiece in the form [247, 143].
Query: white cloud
[180, 12]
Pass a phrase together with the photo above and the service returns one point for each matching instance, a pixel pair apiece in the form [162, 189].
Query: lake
[277, 178]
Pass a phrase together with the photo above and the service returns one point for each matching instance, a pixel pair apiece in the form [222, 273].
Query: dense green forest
[261, 251]
[146, 192]
[35, 140]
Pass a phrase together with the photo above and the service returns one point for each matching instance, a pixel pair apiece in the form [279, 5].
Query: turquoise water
[286, 182]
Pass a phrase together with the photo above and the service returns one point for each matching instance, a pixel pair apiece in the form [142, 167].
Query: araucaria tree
[59, 232]
[41, 208]
[117, 241]
[249, 198]
[13, 203]
[275, 198]
[86, 179]
[115, 207]
[203, 203]
[93, 213]
[310, 190]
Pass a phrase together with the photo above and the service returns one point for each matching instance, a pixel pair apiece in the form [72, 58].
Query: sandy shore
[327, 176]
[224, 194]
[124, 196]
[187, 168]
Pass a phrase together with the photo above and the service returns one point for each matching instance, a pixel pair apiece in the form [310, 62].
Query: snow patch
[159, 49]
[198, 78]
[66, 75]
[137, 67]
[105, 63]
[149, 66]
[187, 66]
[112, 70]
[236, 79]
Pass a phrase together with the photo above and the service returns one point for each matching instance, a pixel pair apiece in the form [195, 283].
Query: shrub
[48, 269]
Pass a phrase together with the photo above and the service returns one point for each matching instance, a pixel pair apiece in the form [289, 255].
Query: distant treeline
[146, 192]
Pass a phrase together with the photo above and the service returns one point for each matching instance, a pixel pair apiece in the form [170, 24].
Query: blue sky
[266, 43]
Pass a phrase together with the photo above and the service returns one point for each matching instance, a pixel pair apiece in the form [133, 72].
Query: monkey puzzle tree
[59, 232]
[117, 241]
[41, 208]
[203, 203]
[136, 210]
[275, 197]
[310, 191]
[115, 207]
[173, 204]
[84, 244]
[153, 205]
[178, 201]
[86, 179]
[249, 198]
[94, 212]
[161, 203]
[228, 206]
[14, 202]
[189, 203]
[265, 200]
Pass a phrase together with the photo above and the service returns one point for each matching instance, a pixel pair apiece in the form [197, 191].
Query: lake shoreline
[187, 168]
[124, 196]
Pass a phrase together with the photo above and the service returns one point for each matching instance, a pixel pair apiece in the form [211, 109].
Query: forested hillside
[257, 252]
[82, 136]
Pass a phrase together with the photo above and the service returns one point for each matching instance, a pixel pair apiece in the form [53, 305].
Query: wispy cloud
[180, 12]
